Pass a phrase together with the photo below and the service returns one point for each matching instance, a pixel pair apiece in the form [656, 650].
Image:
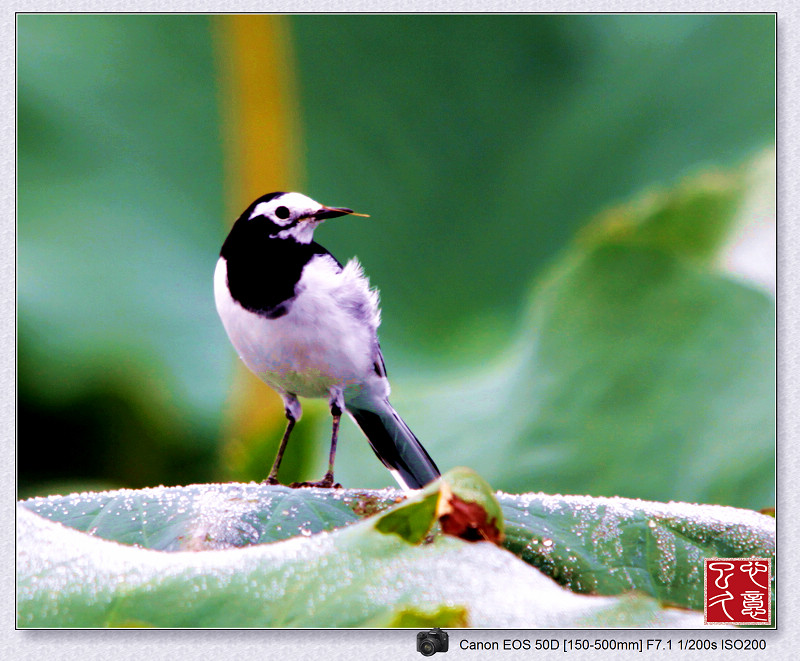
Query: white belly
[317, 345]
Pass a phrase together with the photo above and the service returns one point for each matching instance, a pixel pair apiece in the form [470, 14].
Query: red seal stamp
[737, 591]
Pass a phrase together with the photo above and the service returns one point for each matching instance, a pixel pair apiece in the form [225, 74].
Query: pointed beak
[331, 212]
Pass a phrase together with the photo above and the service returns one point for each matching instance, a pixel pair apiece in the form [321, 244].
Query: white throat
[303, 232]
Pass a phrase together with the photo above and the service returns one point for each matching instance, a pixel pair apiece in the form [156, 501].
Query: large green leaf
[610, 545]
[641, 370]
[481, 144]
[596, 546]
[353, 577]
[210, 516]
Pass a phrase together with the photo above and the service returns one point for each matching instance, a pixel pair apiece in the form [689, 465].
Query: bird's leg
[336, 412]
[336, 404]
[272, 478]
[292, 409]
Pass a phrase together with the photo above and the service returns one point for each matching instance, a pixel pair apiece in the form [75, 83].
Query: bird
[307, 326]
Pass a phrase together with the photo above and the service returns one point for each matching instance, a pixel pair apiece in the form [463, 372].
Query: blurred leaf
[750, 251]
[691, 220]
[120, 205]
[640, 371]
[598, 546]
[481, 144]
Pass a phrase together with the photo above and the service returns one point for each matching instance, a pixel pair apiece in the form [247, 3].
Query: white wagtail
[307, 326]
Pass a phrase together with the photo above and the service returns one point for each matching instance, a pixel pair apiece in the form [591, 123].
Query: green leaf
[595, 546]
[692, 219]
[121, 215]
[640, 370]
[349, 578]
[139, 189]
[612, 545]
[206, 517]
[445, 616]
[413, 520]
[553, 118]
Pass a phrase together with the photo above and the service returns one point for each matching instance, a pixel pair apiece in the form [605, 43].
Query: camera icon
[430, 642]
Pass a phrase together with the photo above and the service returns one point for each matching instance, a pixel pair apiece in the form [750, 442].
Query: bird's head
[290, 215]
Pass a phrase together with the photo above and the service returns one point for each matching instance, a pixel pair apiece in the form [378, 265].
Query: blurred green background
[624, 359]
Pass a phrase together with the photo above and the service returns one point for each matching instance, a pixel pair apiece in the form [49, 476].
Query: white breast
[327, 338]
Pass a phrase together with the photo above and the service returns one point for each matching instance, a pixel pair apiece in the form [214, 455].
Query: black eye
[282, 213]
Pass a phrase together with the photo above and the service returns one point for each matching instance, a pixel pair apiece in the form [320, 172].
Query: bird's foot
[271, 480]
[325, 483]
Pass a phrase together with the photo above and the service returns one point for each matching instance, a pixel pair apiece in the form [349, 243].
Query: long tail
[395, 444]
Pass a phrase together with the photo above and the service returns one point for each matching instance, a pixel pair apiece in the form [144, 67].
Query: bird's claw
[325, 483]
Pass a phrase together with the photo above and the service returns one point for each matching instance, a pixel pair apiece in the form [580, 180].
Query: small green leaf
[444, 616]
[412, 519]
